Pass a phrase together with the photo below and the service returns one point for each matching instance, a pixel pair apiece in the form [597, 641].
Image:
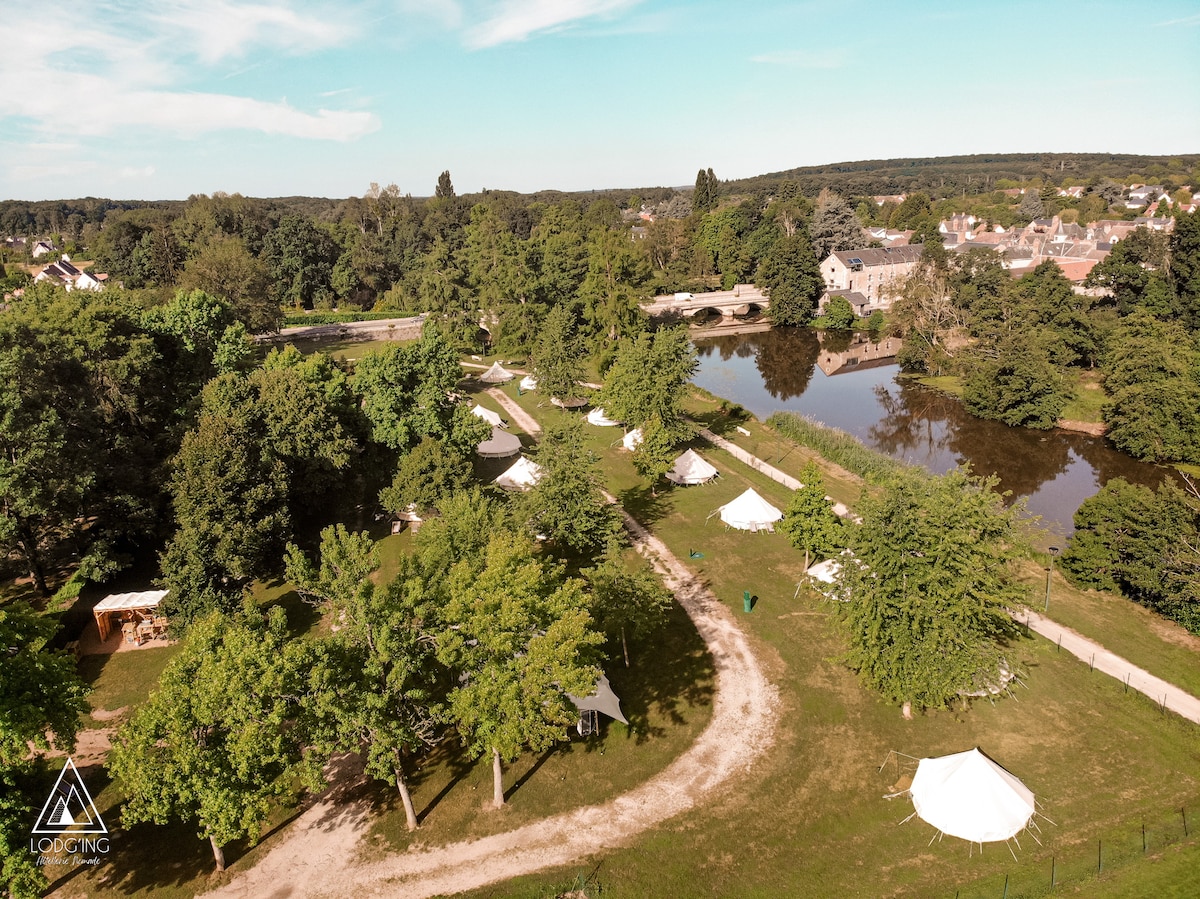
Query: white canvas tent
[121, 607]
[968, 795]
[602, 699]
[691, 468]
[749, 512]
[497, 374]
[598, 418]
[492, 418]
[631, 440]
[522, 475]
[499, 445]
[571, 402]
[529, 382]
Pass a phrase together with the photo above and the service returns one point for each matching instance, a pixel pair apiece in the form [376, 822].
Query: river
[850, 383]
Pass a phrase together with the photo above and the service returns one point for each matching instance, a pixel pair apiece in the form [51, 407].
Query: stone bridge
[742, 300]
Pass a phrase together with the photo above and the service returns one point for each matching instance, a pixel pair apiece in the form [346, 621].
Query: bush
[841, 448]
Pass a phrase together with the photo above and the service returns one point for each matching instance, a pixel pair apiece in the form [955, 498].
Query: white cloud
[803, 59]
[146, 171]
[131, 65]
[1185, 22]
[447, 13]
[517, 20]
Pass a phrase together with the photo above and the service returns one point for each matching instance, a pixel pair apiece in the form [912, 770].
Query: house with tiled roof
[43, 248]
[66, 275]
[868, 278]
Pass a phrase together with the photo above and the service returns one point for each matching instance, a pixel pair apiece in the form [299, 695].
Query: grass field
[810, 820]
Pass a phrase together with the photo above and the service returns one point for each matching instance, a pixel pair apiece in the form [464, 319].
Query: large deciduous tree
[558, 358]
[928, 586]
[520, 637]
[626, 601]
[649, 377]
[809, 520]
[222, 736]
[791, 274]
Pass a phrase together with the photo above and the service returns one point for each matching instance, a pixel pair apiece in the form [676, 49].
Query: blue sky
[137, 99]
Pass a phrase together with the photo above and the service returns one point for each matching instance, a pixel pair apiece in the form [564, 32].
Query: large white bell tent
[522, 475]
[749, 512]
[492, 418]
[600, 420]
[497, 374]
[529, 382]
[967, 795]
[499, 445]
[691, 468]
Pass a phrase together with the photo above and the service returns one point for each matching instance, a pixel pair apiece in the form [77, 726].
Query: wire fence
[1133, 843]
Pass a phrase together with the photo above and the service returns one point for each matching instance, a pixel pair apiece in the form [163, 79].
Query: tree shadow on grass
[670, 677]
[642, 503]
[533, 769]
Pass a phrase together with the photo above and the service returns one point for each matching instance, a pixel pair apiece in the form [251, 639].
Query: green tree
[42, 700]
[568, 505]
[445, 188]
[655, 454]
[705, 195]
[1185, 266]
[617, 273]
[809, 520]
[406, 395]
[225, 267]
[375, 685]
[626, 602]
[427, 473]
[222, 736]
[933, 575]
[834, 226]
[649, 377]
[839, 314]
[1031, 206]
[558, 358]
[299, 257]
[1016, 383]
[520, 638]
[791, 274]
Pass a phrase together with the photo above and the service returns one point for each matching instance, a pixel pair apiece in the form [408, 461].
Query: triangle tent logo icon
[69, 807]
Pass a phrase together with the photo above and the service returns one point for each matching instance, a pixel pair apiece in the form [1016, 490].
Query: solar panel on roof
[855, 261]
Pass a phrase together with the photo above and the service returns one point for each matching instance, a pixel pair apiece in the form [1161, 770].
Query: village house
[70, 277]
[868, 278]
[43, 248]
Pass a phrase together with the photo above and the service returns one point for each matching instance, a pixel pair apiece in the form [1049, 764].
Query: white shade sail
[497, 374]
[598, 418]
[750, 512]
[691, 468]
[602, 699]
[522, 475]
[492, 418]
[968, 795]
[499, 445]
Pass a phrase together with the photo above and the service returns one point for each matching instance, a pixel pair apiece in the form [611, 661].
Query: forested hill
[946, 175]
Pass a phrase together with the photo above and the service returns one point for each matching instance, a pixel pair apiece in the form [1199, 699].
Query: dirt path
[314, 859]
[1167, 695]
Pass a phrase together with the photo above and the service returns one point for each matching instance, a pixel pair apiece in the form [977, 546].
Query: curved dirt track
[316, 858]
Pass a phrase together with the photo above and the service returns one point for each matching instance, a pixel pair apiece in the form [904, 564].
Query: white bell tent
[749, 512]
[529, 382]
[497, 374]
[633, 439]
[600, 420]
[522, 475]
[691, 468]
[571, 402]
[492, 418]
[499, 445]
[967, 795]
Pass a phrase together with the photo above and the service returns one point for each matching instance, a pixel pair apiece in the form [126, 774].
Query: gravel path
[1167, 695]
[315, 859]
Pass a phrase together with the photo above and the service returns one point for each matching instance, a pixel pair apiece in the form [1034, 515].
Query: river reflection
[849, 382]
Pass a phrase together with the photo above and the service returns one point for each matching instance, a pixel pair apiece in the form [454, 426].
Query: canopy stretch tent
[522, 475]
[571, 402]
[749, 512]
[631, 440]
[602, 699]
[492, 418]
[598, 418]
[968, 795]
[529, 382]
[119, 608]
[497, 374]
[499, 445]
[691, 468]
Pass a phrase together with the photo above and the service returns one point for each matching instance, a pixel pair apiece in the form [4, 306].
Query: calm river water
[850, 383]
